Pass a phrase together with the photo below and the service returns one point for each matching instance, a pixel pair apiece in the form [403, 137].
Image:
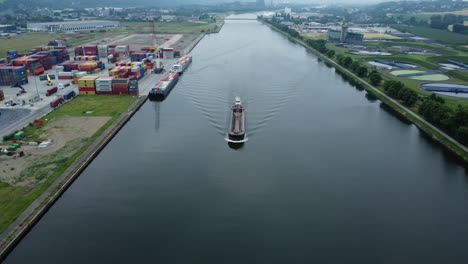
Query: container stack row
[133, 70]
[107, 85]
[87, 66]
[86, 85]
[32, 65]
[13, 75]
[36, 62]
[86, 58]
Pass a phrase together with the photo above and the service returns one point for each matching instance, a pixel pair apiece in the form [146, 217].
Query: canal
[327, 175]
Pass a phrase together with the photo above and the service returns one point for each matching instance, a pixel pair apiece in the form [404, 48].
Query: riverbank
[29, 217]
[39, 207]
[433, 132]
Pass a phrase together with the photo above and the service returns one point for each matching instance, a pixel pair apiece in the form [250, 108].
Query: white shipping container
[135, 69]
[121, 49]
[168, 54]
[79, 74]
[104, 88]
[65, 74]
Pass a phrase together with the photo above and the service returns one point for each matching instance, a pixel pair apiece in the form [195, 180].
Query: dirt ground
[68, 134]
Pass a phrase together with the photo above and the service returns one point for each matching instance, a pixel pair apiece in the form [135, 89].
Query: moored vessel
[163, 86]
[181, 65]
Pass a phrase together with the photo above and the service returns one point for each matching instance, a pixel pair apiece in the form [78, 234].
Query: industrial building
[343, 36]
[7, 28]
[73, 25]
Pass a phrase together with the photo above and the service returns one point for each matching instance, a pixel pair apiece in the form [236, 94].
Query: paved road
[25, 121]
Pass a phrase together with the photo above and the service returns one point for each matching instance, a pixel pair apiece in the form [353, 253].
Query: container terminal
[54, 71]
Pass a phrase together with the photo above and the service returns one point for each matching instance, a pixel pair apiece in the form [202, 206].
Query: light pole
[35, 83]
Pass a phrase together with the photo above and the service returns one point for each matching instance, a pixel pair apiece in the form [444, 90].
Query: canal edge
[16, 231]
[424, 126]
[26, 221]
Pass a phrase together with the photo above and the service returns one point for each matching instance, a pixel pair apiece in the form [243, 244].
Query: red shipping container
[117, 92]
[119, 85]
[104, 92]
[86, 89]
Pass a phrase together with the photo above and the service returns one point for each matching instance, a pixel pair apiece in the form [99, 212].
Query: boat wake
[236, 141]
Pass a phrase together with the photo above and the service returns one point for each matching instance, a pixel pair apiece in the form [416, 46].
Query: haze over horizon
[168, 3]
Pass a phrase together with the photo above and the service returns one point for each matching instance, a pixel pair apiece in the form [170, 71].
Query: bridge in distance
[237, 19]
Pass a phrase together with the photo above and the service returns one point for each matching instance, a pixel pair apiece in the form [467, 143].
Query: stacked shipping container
[90, 50]
[107, 85]
[86, 85]
[133, 87]
[12, 75]
[120, 86]
[88, 66]
[86, 58]
[104, 85]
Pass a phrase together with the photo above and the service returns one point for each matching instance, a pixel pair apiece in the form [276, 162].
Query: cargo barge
[236, 133]
[182, 64]
[164, 86]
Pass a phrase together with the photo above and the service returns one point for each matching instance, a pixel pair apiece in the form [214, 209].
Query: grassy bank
[15, 199]
[408, 114]
[424, 63]
[442, 36]
[25, 42]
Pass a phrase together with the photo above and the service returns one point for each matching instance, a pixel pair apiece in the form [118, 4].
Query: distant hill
[102, 3]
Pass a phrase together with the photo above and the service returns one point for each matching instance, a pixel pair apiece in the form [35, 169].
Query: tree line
[441, 22]
[453, 121]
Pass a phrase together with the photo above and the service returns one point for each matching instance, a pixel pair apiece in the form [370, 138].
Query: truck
[69, 95]
[57, 101]
[51, 91]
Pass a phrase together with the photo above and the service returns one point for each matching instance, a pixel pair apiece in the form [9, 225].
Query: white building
[287, 11]
[73, 26]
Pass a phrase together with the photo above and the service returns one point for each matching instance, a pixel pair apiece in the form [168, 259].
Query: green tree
[355, 66]
[361, 71]
[375, 78]
[347, 61]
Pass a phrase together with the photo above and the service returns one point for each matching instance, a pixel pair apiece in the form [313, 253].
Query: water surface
[327, 176]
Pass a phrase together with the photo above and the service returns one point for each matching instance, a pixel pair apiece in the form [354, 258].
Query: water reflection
[371, 97]
[395, 113]
[157, 116]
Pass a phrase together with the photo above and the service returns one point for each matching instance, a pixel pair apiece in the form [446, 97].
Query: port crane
[159, 67]
[49, 80]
